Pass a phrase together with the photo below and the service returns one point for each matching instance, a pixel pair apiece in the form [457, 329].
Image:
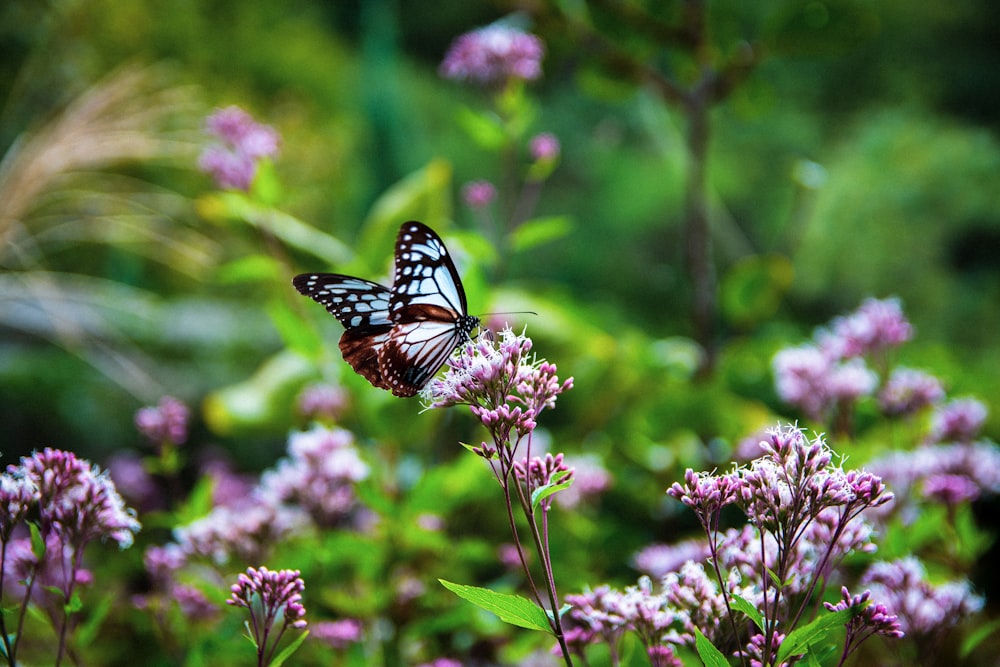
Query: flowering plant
[507, 388]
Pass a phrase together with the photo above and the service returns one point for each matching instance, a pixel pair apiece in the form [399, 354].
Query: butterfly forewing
[425, 273]
[353, 301]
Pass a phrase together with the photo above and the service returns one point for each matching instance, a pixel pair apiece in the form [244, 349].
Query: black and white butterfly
[397, 338]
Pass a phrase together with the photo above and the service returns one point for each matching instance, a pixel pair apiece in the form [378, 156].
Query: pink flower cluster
[240, 144]
[165, 422]
[493, 55]
[274, 600]
[831, 374]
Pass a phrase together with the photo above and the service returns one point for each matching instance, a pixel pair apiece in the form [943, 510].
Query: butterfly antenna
[511, 312]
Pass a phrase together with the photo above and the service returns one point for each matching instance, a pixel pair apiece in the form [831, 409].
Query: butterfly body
[397, 338]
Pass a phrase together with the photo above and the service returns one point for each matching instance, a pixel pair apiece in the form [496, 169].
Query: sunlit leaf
[512, 609]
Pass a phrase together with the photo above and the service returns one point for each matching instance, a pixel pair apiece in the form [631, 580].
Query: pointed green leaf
[485, 129]
[546, 490]
[799, 640]
[743, 605]
[512, 609]
[289, 650]
[710, 656]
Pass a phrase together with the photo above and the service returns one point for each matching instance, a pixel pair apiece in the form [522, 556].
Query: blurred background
[857, 157]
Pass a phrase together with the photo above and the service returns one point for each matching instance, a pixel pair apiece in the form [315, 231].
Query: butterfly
[397, 338]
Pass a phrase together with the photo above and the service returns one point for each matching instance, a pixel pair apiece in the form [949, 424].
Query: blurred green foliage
[859, 158]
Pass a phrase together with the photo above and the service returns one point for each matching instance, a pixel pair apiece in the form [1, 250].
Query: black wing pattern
[398, 338]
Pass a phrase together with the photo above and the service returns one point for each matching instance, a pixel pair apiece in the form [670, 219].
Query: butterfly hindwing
[398, 338]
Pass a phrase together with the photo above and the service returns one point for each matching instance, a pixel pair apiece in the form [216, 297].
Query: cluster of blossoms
[72, 503]
[313, 487]
[274, 601]
[493, 55]
[922, 611]
[804, 516]
[321, 402]
[831, 374]
[166, 422]
[240, 144]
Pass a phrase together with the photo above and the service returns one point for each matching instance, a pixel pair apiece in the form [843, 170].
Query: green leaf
[255, 268]
[96, 614]
[710, 656]
[538, 231]
[512, 609]
[977, 637]
[743, 605]
[74, 605]
[299, 336]
[799, 640]
[37, 543]
[543, 492]
[289, 650]
[485, 129]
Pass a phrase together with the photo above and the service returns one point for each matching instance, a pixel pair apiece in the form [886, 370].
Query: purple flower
[958, 420]
[907, 391]
[493, 55]
[77, 501]
[923, 610]
[544, 146]
[874, 327]
[166, 422]
[193, 603]
[241, 143]
[705, 493]
[478, 194]
[951, 490]
[758, 646]
[874, 619]
[504, 385]
[657, 560]
[810, 379]
[337, 634]
[18, 494]
[590, 478]
[273, 599]
[133, 481]
[442, 662]
[322, 402]
[319, 475]
[247, 534]
[940, 473]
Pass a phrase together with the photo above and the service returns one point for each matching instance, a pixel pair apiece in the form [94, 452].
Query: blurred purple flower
[590, 478]
[319, 475]
[229, 487]
[951, 490]
[322, 402]
[337, 634]
[657, 560]
[274, 600]
[908, 391]
[166, 422]
[246, 534]
[958, 420]
[810, 379]
[478, 194]
[493, 55]
[544, 146]
[922, 609]
[442, 662]
[134, 482]
[241, 143]
[193, 603]
[874, 327]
